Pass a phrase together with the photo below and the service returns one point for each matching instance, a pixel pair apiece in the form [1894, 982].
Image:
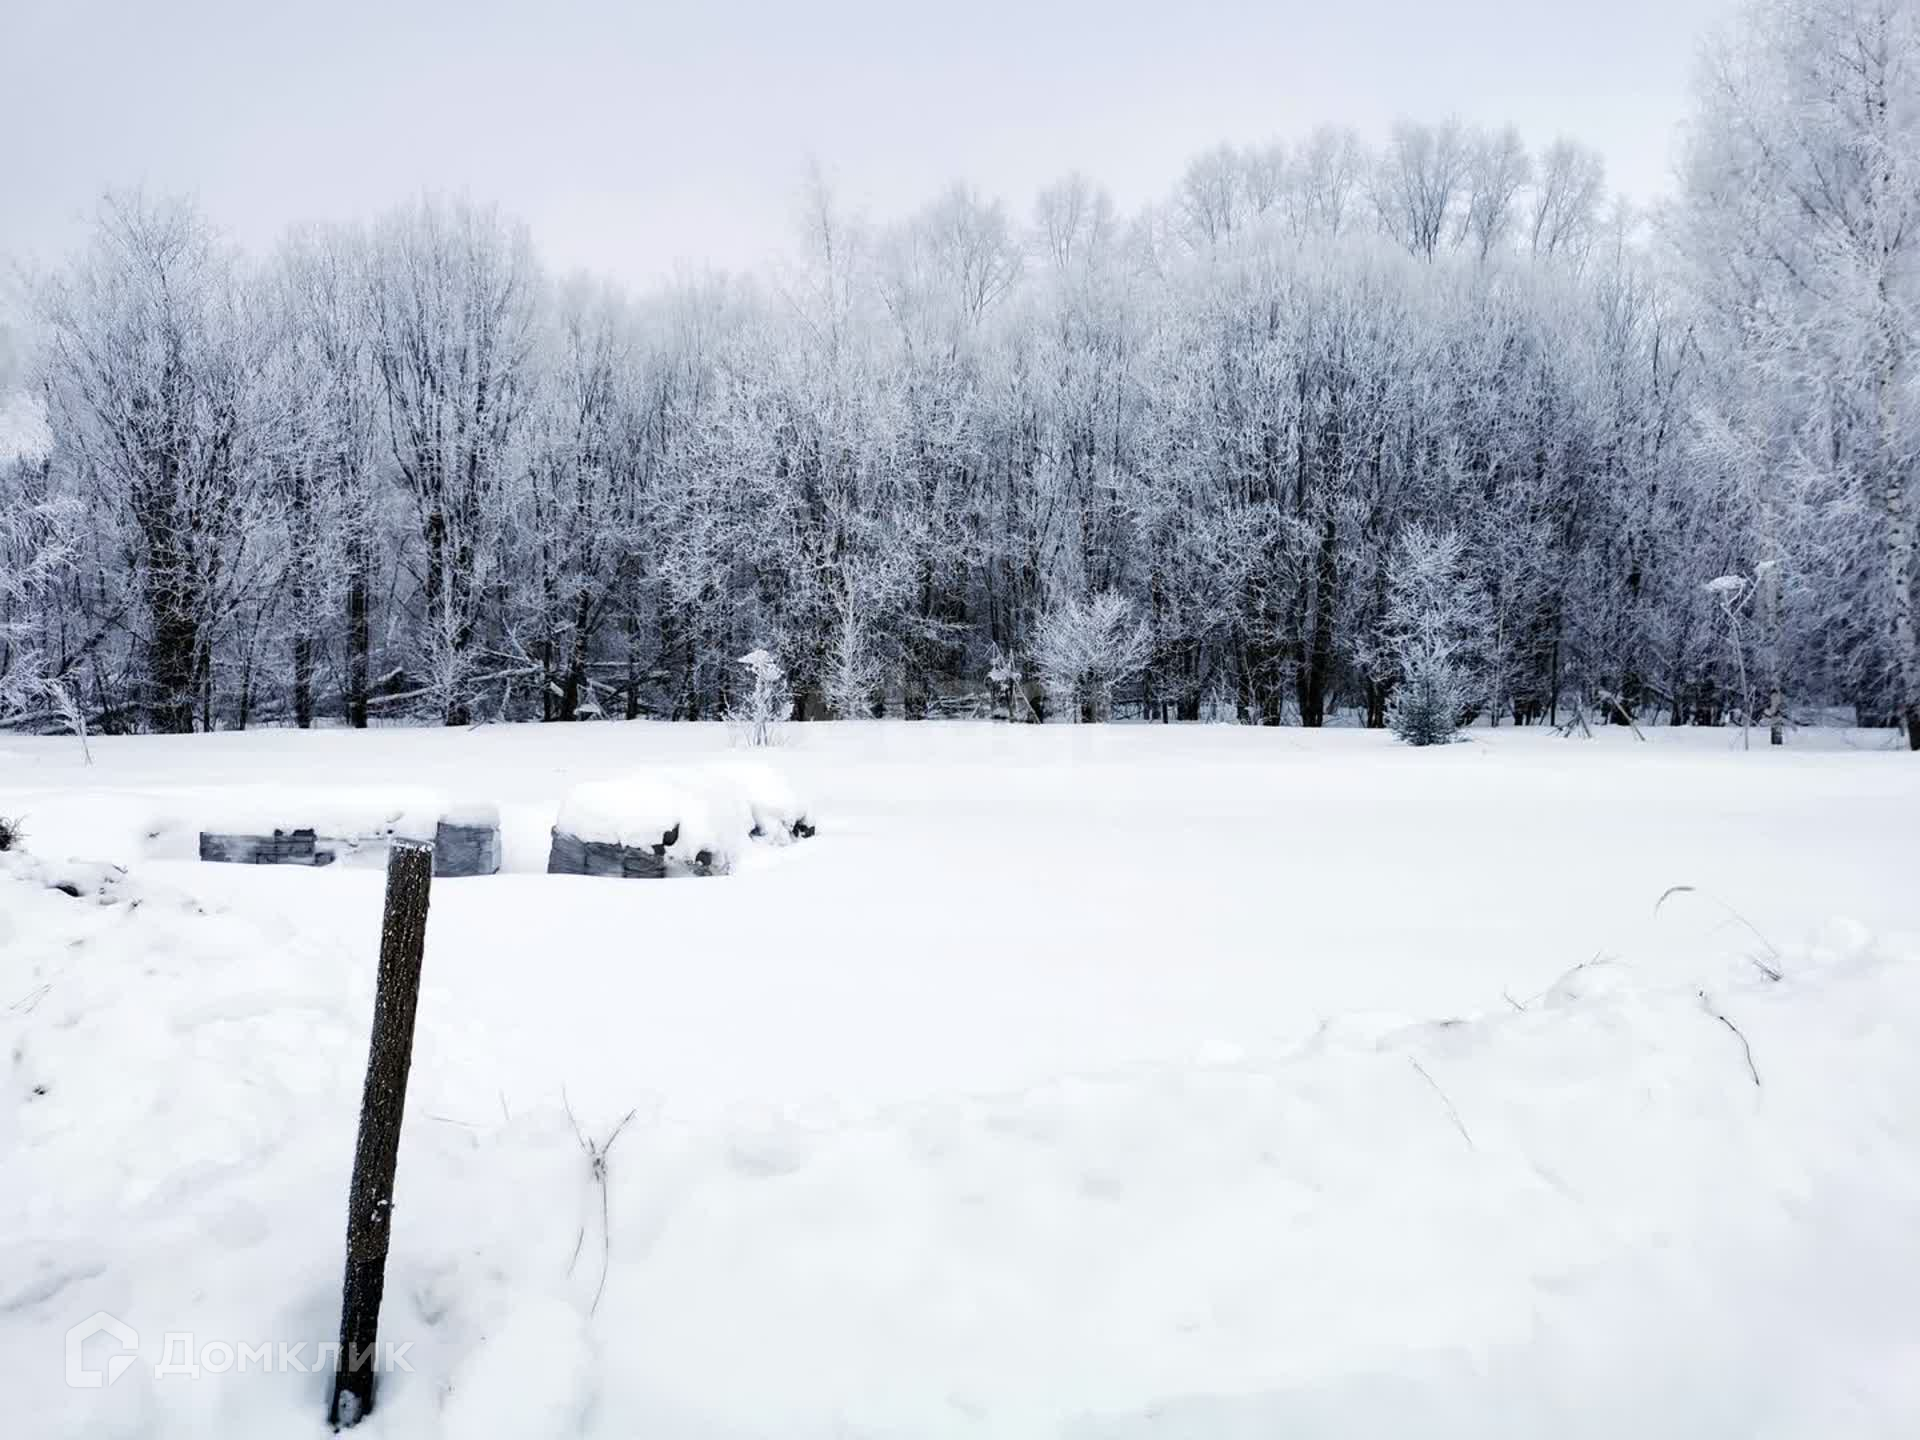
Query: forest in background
[1327, 414]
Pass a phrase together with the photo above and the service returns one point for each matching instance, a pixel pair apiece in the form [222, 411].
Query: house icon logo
[81, 1375]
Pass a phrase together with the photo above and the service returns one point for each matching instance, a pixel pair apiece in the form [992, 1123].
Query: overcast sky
[634, 137]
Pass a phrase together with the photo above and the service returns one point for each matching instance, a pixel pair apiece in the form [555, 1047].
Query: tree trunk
[1900, 633]
[1377, 692]
[576, 677]
[359, 633]
[302, 678]
[1906, 654]
[301, 530]
[403, 936]
[170, 652]
[1319, 668]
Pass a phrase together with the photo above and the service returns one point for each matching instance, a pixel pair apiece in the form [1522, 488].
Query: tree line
[1238, 455]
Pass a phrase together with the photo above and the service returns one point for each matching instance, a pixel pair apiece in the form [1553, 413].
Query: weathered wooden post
[403, 936]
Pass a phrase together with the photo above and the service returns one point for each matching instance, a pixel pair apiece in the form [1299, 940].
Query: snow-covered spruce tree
[766, 705]
[1426, 705]
[1434, 618]
[1085, 649]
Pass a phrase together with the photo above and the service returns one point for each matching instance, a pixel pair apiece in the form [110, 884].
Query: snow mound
[95, 880]
[469, 811]
[642, 810]
[708, 810]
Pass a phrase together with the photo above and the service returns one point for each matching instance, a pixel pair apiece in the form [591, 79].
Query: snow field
[1108, 1085]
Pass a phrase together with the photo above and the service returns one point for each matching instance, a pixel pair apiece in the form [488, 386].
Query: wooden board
[282, 847]
[571, 855]
[460, 850]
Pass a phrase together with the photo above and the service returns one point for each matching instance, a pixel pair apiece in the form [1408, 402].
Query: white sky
[635, 137]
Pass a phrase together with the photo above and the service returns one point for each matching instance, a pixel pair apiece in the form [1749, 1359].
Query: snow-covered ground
[1094, 1082]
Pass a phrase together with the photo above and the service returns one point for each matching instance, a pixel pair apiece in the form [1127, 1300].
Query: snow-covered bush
[766, 706]
[11, 834]
[1085, 649]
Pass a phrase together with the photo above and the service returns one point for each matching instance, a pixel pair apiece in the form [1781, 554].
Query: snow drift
[1657, 1204]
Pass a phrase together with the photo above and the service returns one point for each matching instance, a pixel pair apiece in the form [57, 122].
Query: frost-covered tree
[40, 535]
[1497, 169]
[1436, 618]
[453, 289]
[573, 501]
[1085, 649]
[1802, 226]
[152, 362]
[326, 463]
[411, 476]
[1563, 211]
[1419, 181]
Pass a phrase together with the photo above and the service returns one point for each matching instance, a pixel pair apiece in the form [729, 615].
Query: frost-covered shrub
[11, 835]
[854, 672]
[767, 705]
[1085, 649]
[1427, 704]
[1004, 676]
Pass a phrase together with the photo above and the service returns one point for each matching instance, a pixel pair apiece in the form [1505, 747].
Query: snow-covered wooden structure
[652, 825]
[328, 825]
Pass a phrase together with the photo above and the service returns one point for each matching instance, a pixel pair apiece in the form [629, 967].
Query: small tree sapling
[1729, 591]
[1005, 677]
[768, 703]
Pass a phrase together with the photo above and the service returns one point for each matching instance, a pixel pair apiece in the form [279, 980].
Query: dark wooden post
[403, 937]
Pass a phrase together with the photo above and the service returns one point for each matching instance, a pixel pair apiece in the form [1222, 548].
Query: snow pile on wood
[689, 819]
[338, 811]
[319, 825]
[776, 809]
